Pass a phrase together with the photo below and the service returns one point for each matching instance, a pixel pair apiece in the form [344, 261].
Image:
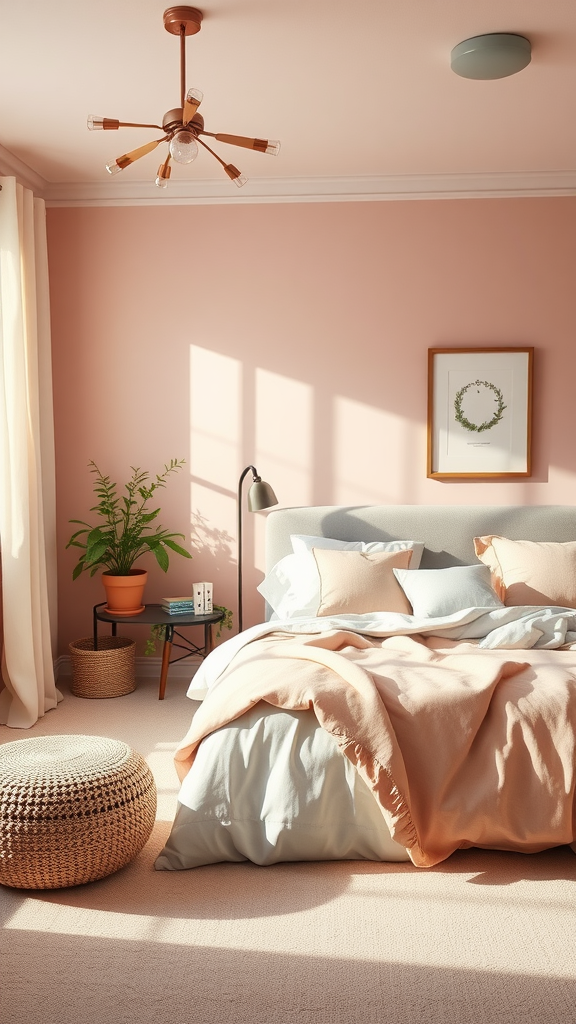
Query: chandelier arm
[258, 145]
[206, 146]
[136, 154]
[112, 124]
[239, 140]
[233, 173]
[138, 124]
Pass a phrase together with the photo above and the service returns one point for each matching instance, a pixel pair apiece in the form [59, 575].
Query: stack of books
[199, 602]
[178, 605]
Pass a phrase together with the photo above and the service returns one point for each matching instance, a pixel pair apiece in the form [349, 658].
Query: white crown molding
[11, 166]
[316, 190]
[496, 185]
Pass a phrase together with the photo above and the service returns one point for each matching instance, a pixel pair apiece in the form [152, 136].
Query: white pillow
[292, 587]
[302, 542]
[437, 592]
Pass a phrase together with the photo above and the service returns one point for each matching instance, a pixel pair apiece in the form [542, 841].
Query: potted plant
[125, 533]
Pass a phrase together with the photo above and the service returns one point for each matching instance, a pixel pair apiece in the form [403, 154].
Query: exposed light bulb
[273, 147]
[164, 172]
[114, 167]
[183, 147]
[102, 123]
[237, 177]
[194, 98]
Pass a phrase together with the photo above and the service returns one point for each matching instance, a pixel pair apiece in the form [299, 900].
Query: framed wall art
[479, 412]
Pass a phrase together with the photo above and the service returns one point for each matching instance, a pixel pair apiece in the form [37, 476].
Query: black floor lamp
[260, 496]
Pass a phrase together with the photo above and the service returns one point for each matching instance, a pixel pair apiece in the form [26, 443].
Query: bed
[411, 692]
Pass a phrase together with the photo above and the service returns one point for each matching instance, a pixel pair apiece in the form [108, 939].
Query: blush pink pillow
[356, 582]
[527, 572]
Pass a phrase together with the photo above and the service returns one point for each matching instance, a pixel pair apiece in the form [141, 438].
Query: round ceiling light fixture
[495, 55]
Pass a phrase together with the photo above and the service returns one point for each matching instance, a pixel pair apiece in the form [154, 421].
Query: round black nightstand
[154, 615]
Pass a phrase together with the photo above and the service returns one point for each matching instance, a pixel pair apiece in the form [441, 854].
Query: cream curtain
[27, 475]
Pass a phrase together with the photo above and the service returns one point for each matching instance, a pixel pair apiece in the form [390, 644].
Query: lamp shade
[495, 55]
[261, 496]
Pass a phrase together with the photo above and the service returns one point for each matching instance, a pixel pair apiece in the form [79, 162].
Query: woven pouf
[72, 809]
[109, 671]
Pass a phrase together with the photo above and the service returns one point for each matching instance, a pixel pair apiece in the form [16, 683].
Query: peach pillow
[528, 572]
[355, 582]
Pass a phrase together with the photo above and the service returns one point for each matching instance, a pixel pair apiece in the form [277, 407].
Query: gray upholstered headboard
[447, 530]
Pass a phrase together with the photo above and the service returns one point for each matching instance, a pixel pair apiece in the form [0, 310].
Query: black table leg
[168, 636]
[208, 638]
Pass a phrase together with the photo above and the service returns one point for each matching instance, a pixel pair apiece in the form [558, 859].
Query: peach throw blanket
[460, 747]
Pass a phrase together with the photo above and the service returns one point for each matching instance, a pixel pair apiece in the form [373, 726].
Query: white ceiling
[360, 93]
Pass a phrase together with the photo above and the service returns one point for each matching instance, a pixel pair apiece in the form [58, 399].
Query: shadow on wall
[216, 546]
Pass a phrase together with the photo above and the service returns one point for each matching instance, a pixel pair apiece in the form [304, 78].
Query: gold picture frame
[479, 413]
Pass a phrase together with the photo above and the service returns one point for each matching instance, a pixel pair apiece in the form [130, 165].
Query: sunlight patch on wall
[283, 447]
[283, 442]
[369, 454]
[215, 383]
[212, 532]
[215, 419]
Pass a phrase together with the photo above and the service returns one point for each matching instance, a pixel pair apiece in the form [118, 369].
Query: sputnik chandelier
[182, 126]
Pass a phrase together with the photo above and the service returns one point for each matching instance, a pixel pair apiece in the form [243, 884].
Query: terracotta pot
[124, 593]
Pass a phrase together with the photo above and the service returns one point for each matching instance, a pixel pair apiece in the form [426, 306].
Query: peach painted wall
[293, 337]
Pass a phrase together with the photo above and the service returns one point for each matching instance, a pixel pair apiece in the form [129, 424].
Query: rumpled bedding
[463, 740]
[513, 628]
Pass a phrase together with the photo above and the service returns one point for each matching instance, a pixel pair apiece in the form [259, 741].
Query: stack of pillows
[324, 577]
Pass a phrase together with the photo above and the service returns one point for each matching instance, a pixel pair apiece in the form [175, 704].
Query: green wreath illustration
[488, 424]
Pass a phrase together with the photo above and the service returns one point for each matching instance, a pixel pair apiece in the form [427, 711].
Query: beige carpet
[484, 938]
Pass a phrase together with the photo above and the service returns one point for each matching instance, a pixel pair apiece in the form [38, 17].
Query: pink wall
[293, 337]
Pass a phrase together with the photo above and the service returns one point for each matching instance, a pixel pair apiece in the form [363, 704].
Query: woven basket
[109, 671]
[72, 809]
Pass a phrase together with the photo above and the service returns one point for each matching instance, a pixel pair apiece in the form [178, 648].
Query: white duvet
[272, 785]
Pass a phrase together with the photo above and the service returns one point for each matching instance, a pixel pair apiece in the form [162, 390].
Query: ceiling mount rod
[182, 21]
[182, 65]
